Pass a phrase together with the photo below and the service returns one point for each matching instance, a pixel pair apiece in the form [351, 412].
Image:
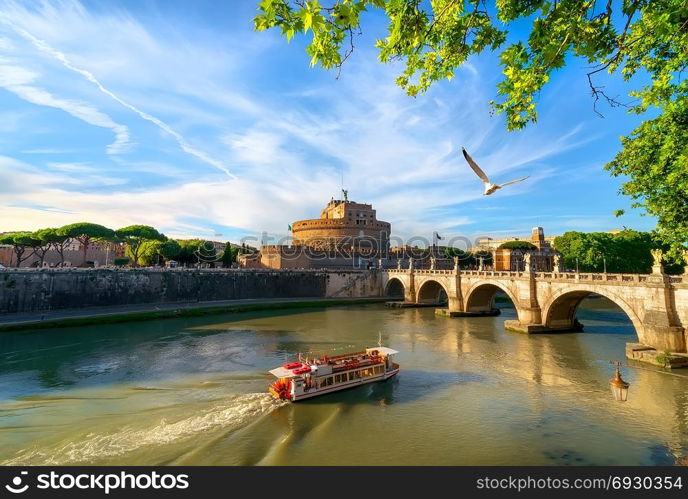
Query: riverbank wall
[36, 291]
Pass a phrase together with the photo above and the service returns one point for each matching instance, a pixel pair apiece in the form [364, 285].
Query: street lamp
[618, 385]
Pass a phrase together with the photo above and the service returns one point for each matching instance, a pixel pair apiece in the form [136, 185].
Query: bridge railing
[568, 276]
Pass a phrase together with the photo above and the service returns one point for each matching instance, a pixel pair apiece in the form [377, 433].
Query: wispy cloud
[17, 80]
[246, 104]
[183, 143]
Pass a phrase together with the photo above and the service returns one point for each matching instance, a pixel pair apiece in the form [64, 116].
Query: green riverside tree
[41, 244]
[627, 251]
[645, 38]
[518, 245]
[135, 236]
[229, 255]
[54, 239]
[465, 257]
[85, 233]
[154, 252]
[20, 242]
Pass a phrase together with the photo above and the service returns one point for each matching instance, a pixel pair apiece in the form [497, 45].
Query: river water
[193, 392]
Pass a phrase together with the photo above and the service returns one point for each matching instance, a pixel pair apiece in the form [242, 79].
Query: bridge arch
[480, 297]
[395, 288]
[559, 311]
[432, 291]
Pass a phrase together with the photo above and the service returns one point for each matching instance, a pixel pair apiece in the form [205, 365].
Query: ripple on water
[232, 415]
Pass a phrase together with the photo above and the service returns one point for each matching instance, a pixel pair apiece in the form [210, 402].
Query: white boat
[313, 377]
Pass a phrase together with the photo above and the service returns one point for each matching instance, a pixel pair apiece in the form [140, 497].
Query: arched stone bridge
[657, 303]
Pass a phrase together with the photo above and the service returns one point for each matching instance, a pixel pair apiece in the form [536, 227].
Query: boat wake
[229, 416]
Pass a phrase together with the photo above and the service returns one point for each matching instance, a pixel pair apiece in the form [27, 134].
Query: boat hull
[344, 386]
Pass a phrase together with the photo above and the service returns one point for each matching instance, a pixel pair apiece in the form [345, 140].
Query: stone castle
[347, 234]
[343, 224]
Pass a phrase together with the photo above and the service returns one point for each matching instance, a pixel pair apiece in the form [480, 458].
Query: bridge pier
[533, 328]
[547, 302]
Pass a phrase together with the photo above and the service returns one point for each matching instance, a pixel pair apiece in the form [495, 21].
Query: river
[192, 391]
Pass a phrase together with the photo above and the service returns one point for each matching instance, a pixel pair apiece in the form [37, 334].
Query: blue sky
[177, 114]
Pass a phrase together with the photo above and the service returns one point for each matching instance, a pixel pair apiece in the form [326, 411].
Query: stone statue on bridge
[410, 263]
[657, 255]
[456, 264]
[557, 263]
[684, 254]
[433, 261]
[481, 263]
[527, 258]
[398, 263]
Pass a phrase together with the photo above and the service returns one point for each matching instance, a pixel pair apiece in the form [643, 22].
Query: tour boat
[312, 377]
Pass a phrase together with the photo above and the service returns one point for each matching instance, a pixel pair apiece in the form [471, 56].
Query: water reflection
[192, 391]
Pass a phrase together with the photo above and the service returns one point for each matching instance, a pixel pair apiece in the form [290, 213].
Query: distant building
[343, 224]
[97, 254]
[542, 258]
[537, 237]
[347, 234]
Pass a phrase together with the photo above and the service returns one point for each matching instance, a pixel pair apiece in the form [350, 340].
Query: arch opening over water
[562, 312]
[432, 292]
[482, 298]
[395, 289]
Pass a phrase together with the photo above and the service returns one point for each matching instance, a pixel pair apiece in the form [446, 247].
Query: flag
[437, 236]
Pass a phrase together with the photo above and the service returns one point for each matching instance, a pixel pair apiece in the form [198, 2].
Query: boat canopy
[384, 350]
[283, 372]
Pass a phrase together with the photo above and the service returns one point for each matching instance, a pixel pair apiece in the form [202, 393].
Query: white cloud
[181, 140]
[16, 79]
[288, 147]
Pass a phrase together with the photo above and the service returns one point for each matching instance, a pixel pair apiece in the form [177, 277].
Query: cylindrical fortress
[343, 224]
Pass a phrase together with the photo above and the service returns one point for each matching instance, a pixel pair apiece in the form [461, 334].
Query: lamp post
[576, 265]
[618, 386]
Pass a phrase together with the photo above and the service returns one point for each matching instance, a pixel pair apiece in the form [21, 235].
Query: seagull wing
[475, 167]
[514, 181]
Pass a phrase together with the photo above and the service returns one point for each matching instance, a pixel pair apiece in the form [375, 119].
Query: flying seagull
[489, 186]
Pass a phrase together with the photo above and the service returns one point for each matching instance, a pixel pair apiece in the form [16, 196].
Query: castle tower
[343, 224]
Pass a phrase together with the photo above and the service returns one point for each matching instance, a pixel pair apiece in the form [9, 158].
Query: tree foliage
[85, 233]
[189, 250]
[655, 160]
[135, 236]
[156, 252]
[648, 38]
[518, 245]
[145, 245]
[52, 238]
[627, 251]
[20, 242]
[229, 255]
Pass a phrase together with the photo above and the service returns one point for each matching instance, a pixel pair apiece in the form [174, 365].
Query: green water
[193, 391]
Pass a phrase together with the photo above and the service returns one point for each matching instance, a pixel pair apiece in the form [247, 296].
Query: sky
[179, 115]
